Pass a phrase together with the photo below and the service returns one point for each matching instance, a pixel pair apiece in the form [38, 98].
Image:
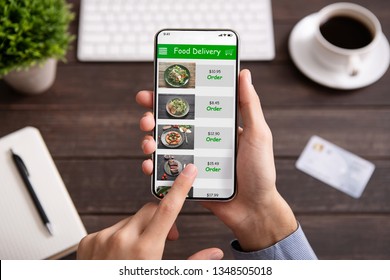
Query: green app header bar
[196, 51]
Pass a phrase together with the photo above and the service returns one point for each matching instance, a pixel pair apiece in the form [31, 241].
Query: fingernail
[216, 256]
[190, 170]
[249, 77]
[144, 143]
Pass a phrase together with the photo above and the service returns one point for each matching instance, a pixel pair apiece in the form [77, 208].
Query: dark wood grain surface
[90, 122]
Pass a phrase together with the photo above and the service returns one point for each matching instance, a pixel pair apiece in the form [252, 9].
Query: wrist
[267, 225]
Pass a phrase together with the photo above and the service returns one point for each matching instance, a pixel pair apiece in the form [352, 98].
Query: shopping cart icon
[229, 52]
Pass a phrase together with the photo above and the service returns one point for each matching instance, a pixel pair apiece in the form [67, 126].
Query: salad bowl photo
[177, 107]
[177, 76]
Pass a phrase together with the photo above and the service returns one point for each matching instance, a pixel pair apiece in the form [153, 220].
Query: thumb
[208, 254]
[250, 108]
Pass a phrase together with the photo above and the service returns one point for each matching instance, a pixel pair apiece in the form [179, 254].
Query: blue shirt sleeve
[293, 247]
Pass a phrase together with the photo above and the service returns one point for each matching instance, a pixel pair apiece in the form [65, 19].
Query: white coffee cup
[348, 60]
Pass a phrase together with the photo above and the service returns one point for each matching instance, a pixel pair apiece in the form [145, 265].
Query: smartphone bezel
[155, 134]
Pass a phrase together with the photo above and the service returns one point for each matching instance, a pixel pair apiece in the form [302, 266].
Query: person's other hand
[143, 235]
[258, 215]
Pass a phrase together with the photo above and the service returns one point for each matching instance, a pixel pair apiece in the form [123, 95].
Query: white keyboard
[123, 30]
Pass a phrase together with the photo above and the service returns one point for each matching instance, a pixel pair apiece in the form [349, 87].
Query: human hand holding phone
[258, 215]
[143, 235]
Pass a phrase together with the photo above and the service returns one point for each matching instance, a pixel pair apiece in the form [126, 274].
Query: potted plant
[33, 36]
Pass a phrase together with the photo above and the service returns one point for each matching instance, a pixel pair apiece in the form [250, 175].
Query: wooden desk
[89, 120]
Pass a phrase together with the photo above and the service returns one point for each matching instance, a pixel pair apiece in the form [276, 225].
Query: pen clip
[21, 162]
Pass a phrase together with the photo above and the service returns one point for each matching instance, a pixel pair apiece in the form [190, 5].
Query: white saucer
[300, 43]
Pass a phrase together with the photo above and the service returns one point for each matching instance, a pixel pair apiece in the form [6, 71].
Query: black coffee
[346, 32]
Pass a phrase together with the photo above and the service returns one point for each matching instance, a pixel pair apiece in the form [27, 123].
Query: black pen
[24, 174]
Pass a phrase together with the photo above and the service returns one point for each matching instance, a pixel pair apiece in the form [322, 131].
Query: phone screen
[195, 109]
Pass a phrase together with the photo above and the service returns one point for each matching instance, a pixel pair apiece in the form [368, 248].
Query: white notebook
[22, 232]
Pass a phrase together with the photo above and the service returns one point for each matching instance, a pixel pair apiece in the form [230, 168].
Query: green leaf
[32, 31]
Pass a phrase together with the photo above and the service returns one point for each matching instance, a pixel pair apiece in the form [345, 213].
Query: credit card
[335, 166]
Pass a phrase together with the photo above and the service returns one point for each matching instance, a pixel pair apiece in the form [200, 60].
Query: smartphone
[195, 110]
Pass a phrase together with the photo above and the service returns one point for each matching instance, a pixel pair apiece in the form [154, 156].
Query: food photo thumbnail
[176, 75]
[176, 106]
[170, 166]
[176, 136]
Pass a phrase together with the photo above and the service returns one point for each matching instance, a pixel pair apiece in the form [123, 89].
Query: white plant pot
[34, 80]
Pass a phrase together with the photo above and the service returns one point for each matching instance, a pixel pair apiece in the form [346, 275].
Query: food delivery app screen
[195, 110]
